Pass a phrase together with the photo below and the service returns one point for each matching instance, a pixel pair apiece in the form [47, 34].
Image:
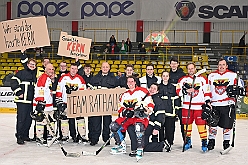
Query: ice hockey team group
[147, 110]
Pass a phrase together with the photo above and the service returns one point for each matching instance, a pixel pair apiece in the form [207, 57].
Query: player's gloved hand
[40, 106]
[74, 88]
[128, 113]
[232, 91]
[68, 89]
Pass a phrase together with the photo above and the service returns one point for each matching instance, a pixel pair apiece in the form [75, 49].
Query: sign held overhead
[20, 34]
[73, 46]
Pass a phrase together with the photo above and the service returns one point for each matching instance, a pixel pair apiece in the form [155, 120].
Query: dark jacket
[242, 41]
[23, 83]
[108, 81]
[123, 82]
[168, 93]
[87, 79]
[157, 118]
[175, 76]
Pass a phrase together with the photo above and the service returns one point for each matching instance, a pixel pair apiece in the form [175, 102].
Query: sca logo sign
[185, 9]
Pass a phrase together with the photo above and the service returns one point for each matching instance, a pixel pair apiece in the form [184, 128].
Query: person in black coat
[87, 78]
[103, 79]
[241, 44]
[175, 74]
[156, 120]
[22, 84]
[172, 102]
[128, 72]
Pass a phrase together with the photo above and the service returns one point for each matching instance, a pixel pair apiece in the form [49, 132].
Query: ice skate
[41, 142]
[139, 154]
[82, 139]
[211, 144]
[187, 144]
[226, 144]
[204, 145]
[133, 153]
[64, 139]
[119, 149]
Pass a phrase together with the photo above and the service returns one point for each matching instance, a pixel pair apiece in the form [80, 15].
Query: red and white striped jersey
[136, 95]
[199, 96]
[43, 92]
[69, 81]
[218, 84]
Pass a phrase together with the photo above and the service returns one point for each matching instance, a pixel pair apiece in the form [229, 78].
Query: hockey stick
[56, 139]
[190, 102]
[85, 153]
[234, 124]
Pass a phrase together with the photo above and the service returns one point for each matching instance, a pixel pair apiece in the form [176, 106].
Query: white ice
[30, 154]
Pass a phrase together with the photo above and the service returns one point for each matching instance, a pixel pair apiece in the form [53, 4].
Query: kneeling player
[129, 101]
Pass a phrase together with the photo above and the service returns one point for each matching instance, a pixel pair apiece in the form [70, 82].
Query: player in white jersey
[67, 83]
[200, 94]
[224, 87]
[43, 95]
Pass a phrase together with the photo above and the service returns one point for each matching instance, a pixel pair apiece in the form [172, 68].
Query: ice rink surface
[30, 154]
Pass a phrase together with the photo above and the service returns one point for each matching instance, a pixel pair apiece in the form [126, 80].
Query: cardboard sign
[20, 34]
[98, 102]
[73, 46]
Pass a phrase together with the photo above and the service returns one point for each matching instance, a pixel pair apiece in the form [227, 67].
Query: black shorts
[226, 114]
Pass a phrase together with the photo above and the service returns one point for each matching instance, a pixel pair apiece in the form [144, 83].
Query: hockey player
[168, 93]
[155, 122]
[138, 118]
[175, 74]
[224, 87]
[194, 95]
[43, 95]
[128, 72]
[22, 84]
[103, 79]
[150, 78]
[67, 83]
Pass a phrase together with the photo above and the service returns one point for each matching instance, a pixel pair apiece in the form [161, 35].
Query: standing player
[224, 87]
[67, 83]
[195, 95]
[43, 96]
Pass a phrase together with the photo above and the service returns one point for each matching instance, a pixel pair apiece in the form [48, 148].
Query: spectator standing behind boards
[112, 40]
[241, 44]
[123, 47]
[129, 45]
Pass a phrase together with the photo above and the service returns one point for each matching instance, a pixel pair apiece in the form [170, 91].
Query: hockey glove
[206, 110]
[186, 86]
[74, 88]
[128, 113]
[68, 89]
[232, 91]
[40, 106]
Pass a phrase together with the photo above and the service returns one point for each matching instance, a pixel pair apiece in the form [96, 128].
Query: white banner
[153, 10]
[7, 98]
[73, 46]
[20, 34]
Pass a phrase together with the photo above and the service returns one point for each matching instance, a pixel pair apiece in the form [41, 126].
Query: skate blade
[226, 150]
